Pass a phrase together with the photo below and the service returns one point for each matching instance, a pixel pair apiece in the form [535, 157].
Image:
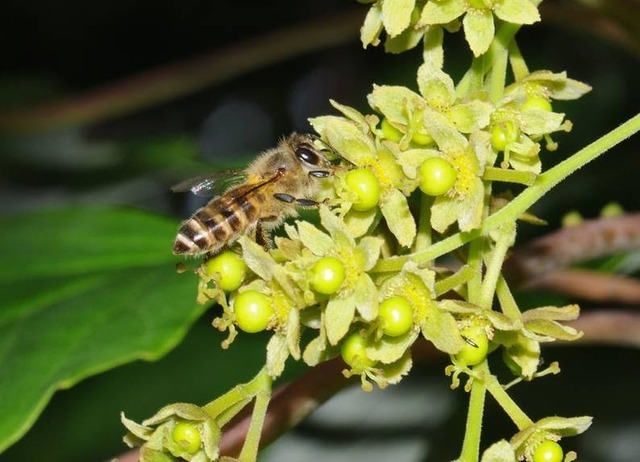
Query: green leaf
[516, 11]
[396, 15]
[396, 212]
[83, 290]
[478, 30]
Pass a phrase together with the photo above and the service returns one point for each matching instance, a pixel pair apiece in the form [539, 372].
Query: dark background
[59, 49]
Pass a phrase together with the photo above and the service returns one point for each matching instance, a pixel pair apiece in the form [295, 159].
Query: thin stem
[498, 73]
[505, 297]
[473, 429]
[238, 394]
[423, 238]
[457, 279]
[518, 64]
[250, 448]
[517, 415]
[509, 176]
[474, 261]
[494, 265]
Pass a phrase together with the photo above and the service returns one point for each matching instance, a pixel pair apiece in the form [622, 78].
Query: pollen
[465, 179]
[281, 303]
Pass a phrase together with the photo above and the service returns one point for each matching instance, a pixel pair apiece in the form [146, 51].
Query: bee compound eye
[307, 155]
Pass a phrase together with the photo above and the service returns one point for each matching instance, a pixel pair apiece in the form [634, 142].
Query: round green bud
[253, 311]
[502, 134]
[437, 176]
[396, 316]
[187, 436]
[366, 187]
[421, 138]
[475, 348]
[327, 275]
[354, 351]
[389, 132]
[231, 270]
[548, 451]
[537, 102]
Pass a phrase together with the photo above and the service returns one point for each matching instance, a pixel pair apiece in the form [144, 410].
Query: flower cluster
[362, 282]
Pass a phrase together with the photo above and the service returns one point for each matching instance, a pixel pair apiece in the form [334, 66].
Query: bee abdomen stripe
[196, 233]
[248, 208]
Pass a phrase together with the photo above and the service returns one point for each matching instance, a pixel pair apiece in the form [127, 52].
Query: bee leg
[262, 237]
[289, 199]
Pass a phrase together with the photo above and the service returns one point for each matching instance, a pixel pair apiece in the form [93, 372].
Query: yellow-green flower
[436, 112]
[351, 137]
[464, 202]
[357, 294]
[524, 116]
[157, 439]
[478, 21]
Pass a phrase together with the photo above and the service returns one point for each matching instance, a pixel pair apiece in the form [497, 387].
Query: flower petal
[366, 298]
[441, 12]
[338, 316]
[345, 138]
[315, 240]
[440, 328]
[516, 11]
[277, 354]
[372, 26]
[478, 30]
[370, 246]
[392, 102]
[396, 15]
[435, 84]
[471, 116]
[396, 212]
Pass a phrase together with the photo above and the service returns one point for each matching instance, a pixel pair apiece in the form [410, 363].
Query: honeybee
[256, 199]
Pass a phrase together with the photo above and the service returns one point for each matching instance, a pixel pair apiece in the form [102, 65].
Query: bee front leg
[289, 199]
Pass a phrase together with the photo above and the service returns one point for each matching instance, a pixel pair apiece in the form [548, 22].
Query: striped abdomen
[221, 221]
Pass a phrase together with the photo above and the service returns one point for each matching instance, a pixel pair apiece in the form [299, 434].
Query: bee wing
[213, 184]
